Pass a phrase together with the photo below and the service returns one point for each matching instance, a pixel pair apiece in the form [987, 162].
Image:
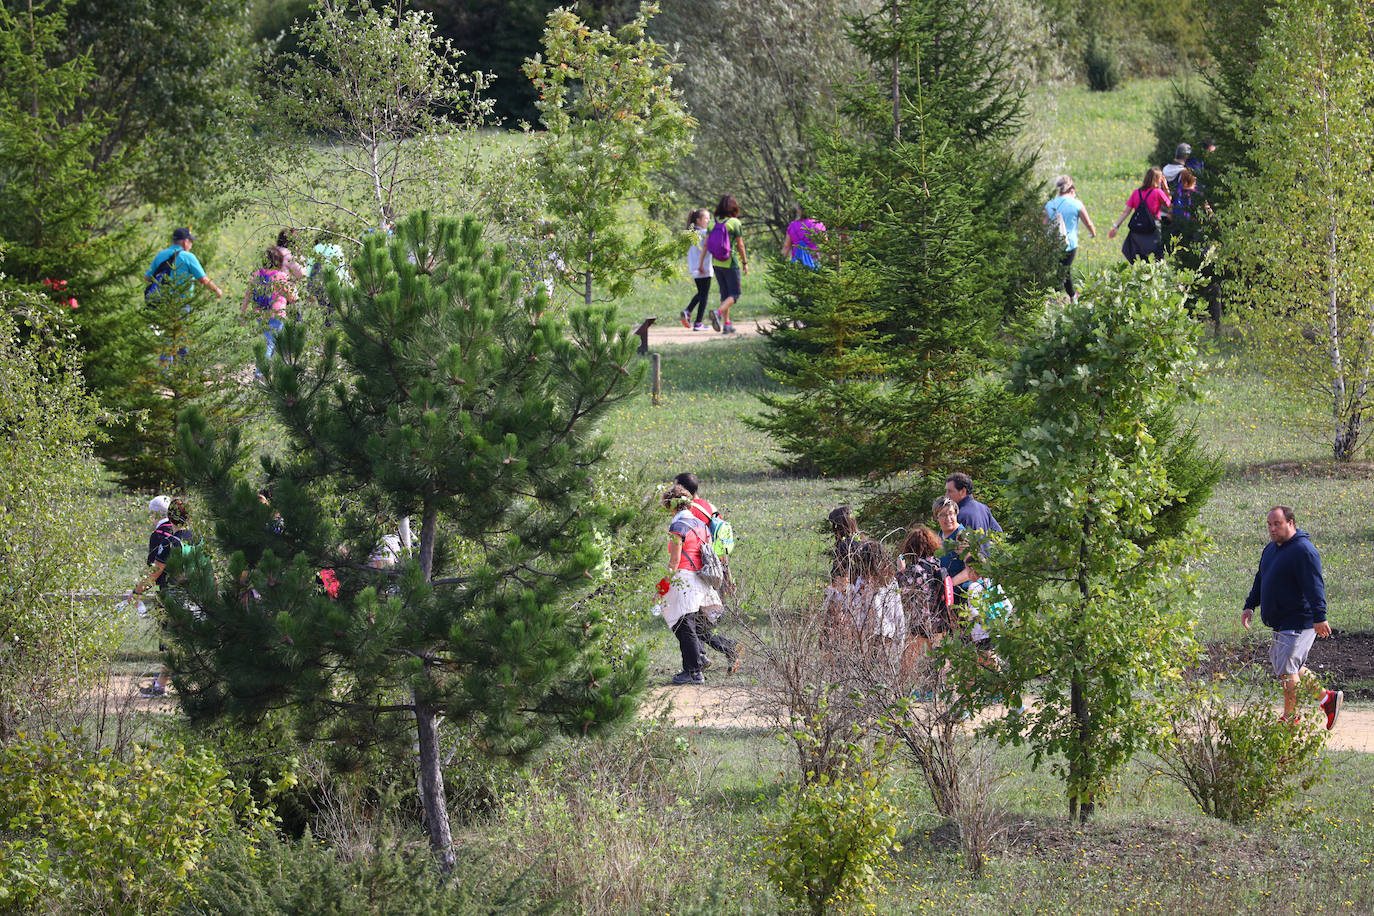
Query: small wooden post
[656, 373]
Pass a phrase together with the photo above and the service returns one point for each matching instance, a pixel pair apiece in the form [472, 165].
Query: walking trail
[727, 706]
[722, 706]
[670, 331]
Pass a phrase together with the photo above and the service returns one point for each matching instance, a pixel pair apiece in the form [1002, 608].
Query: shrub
[824, 846]
[49, 479]
[1238, 761]
[1100, 64]
[276, 877]
[610, 825]
[109, 835]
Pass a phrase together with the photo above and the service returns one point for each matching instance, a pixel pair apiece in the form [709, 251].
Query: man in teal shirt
[176, 268]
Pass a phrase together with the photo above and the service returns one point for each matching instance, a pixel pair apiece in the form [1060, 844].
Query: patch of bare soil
[1344, 662]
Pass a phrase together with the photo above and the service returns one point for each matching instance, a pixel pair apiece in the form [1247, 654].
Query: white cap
[158, 505]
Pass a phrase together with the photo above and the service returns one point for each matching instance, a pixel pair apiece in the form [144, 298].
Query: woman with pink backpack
[269, 292]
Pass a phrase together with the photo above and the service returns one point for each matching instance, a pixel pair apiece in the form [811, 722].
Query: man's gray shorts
[1288, 652]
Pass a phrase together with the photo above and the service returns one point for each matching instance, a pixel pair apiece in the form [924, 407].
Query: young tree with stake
[613, 123]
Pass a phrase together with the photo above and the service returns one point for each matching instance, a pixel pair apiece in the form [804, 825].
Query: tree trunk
[428, 528]
[896, 78]
[1341, 448]
[1080, 801]
[432, 784]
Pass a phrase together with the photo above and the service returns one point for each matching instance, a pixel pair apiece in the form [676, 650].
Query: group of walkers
[718, 252]
[932, 589]
[1171, 195]
[274, 291]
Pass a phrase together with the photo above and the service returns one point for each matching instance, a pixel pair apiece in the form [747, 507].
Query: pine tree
[445, 397]
[937, 227]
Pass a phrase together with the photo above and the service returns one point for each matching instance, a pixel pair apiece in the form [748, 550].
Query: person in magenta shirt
[799, 245]
[1144, 241]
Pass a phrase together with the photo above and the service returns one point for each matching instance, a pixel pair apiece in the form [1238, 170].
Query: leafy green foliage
[445, 396]
[171, 83]
[48, 485]
[934, 236]
[1304, 249]
[1238, 762]
[52, 191]
[1105, 490]
[393, 109]
[613, 122]
[113, 836]
[824, 846]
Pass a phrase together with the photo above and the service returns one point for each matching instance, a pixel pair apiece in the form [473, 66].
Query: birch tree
[1301, 235]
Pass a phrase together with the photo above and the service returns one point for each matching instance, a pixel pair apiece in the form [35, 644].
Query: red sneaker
[1331, 705]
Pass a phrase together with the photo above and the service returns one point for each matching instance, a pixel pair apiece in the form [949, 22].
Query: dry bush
[828, 685]
[610, 826]
[823, 680]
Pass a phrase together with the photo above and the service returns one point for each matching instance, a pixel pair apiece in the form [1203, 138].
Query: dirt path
[738, 706]
[728, 706]
[670, 331]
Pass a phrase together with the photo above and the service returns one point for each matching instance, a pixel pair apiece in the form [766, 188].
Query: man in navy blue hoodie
[1291, 597]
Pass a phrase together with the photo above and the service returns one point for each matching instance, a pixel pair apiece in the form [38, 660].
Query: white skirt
[688, 594]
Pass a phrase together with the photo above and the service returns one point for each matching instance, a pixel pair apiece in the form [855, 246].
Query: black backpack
[162, 270]
[1141, 220]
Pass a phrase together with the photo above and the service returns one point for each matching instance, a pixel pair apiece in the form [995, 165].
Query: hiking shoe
[732, 658]
[715, 320]
[696, 326]
[688, 677]
[152, 690]
[728, 329]
[705, 663]
[686, 318]
[1331, 705]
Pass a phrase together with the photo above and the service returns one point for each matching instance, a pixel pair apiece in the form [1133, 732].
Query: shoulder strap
[167, 264]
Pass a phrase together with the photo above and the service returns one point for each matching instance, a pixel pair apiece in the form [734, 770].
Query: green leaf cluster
[824, 847]
[1103, 491]
[614, 123]
[1240, 761]
[111, 835]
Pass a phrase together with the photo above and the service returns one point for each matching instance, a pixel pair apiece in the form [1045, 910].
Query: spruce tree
[937, 224]
[443, 396]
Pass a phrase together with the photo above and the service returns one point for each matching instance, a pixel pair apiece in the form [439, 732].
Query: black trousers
[699, 300]
[692, 630]
[1068, 270]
